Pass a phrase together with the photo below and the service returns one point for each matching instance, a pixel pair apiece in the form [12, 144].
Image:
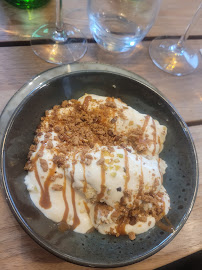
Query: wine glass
[175, 56]
[59, 43]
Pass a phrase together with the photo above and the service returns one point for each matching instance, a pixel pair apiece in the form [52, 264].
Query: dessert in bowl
[95, 164]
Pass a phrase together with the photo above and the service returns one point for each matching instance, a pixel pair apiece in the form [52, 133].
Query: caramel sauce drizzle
[160, 171]
[120, 228]
[66, 212]
[86, 102]
[34, 160]
[76, 220]
[62, 225]
[127, 178]
[141, 180]
[38, 178]
[102, 185]
[45, 196]
[84, 177]
[154, 137]
[165, 227]
[96, 212]
[143, 140]
[87, 208]
[147, 117]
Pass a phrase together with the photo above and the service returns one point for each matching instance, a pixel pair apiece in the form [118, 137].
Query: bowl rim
[35, 83]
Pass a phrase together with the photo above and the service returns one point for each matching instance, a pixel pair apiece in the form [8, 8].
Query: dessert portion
[138, 130]
[95, 164]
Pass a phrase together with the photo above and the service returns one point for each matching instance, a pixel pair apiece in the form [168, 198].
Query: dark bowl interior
[94, 249]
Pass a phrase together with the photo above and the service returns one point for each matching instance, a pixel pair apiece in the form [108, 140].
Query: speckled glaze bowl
[18, 123]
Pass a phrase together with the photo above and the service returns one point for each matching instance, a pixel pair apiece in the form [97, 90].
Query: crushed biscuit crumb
[57, 187]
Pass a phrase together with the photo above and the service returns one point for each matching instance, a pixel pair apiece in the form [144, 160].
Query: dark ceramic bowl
[18, 123]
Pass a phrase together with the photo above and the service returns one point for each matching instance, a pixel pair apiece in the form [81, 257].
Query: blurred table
[19, 64]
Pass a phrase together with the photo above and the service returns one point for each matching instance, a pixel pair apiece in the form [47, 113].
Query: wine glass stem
[59, 35]
[59, 19]
[190, 26]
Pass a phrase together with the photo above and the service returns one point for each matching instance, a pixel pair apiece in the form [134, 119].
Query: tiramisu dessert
[95, 164]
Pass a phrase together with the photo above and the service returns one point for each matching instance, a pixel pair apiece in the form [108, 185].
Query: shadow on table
[113, 58]
[193, 261]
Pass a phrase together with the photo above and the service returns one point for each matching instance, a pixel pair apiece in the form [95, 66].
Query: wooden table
[19, 64]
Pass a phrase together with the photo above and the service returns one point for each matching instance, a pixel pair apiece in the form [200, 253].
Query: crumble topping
[78, 128]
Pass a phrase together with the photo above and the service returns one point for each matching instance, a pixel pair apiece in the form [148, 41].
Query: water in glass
[120, 25]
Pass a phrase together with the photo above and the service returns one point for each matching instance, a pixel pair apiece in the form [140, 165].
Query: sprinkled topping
[44, 164]
[117, 167]
[132, 235]
[49, 145]
[57, 187]
[113, 174]
[100, 161]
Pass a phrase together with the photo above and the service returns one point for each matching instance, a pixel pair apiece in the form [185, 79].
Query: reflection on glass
[27, 4]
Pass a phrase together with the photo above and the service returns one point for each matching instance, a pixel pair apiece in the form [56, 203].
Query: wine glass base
[173, 58]
[50, 48]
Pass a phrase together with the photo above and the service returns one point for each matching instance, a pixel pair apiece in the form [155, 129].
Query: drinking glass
[59, 43]
[175, 56]
[119, 25]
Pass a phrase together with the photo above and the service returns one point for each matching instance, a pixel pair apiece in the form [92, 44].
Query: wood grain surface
[19, 64]
[17, 24]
